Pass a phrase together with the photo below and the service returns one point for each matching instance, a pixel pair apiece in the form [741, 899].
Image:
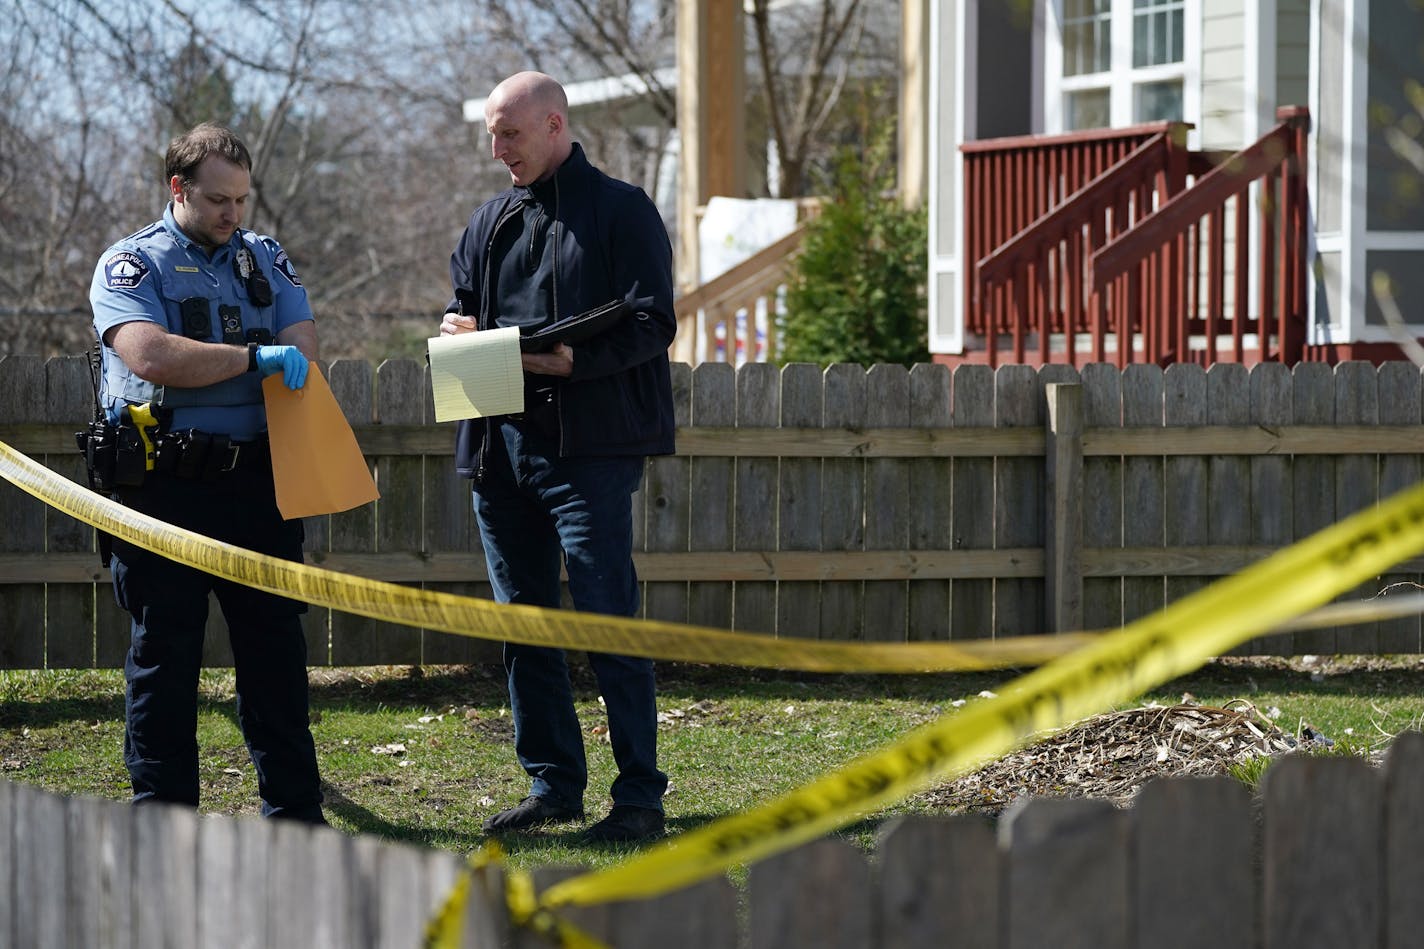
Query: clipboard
[575, 329]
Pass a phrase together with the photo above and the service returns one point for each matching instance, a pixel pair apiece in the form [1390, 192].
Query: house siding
[1223, 72]
[1292, 52]
[1330, 119]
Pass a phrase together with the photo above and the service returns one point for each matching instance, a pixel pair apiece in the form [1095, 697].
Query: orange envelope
[318, 467]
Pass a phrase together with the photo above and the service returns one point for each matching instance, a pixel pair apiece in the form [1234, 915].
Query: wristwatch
[251, 357]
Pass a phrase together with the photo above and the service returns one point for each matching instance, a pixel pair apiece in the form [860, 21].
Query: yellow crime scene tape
[1091, 673]
[1115, 667]
[530, 625]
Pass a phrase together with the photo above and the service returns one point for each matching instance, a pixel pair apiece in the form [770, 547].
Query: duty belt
[197, 454]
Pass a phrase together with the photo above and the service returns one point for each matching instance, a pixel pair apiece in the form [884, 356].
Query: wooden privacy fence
[887, 504]
[1333, 857]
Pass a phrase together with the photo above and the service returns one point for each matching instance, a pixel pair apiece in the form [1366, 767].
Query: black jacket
[610, 245]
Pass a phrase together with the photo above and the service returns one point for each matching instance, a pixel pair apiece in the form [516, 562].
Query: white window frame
[1122, 77]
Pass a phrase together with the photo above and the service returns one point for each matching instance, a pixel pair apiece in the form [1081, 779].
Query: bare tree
[363, 165]
[808, 54]
[632, 41]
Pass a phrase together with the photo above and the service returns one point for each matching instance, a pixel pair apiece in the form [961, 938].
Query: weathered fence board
[1314, 478]
[1102, 495]
[85, 906]
[701, 916]
[844, 513]
[69, 609]
[667, 515]
[887, 503]
[939, 884]
[798, 505]
[758, 406]
[931, 501]
[851, 503]
[1403, 834]
[1228, 476]
[972, 517]
[1018, 502]
[1063, 543]
[1272, 503]
[40, 890]
[1322, 885]
[1399, 404]
[711, 496]
[1143, 504]
[1338, 863]
[22, 391]
[787, 904]
[1067, 874]
[1192, 847]
[9, 856]
[1184, 478]
[354, 385]
[165, 859]
[400, 400]
[115, 855]
[232, 887]
[1356, 482]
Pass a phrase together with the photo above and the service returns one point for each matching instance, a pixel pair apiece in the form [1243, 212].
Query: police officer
[192, 312]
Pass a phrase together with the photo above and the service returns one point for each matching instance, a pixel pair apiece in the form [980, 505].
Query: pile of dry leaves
[1112, 755]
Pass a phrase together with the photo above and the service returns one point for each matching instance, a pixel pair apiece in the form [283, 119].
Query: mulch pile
[1112, 755]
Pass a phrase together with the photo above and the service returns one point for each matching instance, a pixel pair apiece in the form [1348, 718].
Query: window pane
[1086, 28]
[1157, 32]
[1089, 109]
[1158, 101]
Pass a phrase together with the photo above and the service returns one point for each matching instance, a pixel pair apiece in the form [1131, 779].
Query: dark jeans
[168, 603]
[534, 510]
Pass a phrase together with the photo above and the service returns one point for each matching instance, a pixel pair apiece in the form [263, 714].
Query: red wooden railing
[1184, 244]
[1136, 255]
[1010, 183]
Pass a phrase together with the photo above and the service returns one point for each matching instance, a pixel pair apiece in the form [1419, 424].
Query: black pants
[168, 602]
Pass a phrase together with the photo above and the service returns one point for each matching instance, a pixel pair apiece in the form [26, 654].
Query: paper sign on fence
[476, 374]
[317, 465]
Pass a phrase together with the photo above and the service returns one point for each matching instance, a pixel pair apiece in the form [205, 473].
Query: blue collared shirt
[148, 275]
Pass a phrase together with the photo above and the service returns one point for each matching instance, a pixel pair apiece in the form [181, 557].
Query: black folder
[575, 329]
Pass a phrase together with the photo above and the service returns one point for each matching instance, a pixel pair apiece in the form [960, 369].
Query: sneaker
[626, 823]
[531, 812]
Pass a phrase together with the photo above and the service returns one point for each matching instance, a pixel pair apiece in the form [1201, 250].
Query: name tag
[181, 269]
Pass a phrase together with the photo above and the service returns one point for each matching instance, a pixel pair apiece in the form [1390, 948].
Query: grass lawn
[424, 754]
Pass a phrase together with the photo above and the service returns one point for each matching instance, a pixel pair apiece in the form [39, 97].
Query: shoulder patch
[124, 270]
[283, 265]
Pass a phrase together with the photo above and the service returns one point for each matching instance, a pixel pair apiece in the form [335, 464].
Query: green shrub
[857, 290]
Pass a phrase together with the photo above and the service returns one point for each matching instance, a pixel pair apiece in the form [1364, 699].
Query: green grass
[732, 738]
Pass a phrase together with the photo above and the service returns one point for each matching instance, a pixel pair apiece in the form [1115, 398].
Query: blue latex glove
[288, 360]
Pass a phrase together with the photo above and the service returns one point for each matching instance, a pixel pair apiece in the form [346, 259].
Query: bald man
[554, 484]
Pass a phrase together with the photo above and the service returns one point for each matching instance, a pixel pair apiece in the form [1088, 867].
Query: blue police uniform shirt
[148, 276]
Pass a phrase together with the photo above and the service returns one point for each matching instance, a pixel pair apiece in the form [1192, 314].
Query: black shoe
[625, 824]
[531, 812]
